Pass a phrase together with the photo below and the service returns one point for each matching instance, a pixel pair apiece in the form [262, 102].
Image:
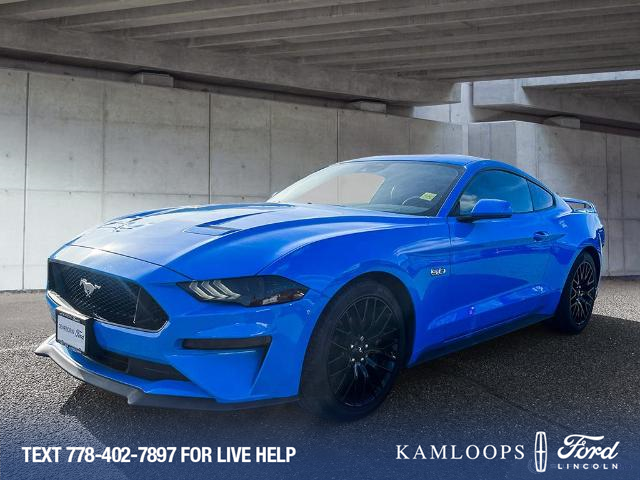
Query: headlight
[247, 291]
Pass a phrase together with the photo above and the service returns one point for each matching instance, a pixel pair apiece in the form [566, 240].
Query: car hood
[230, 240]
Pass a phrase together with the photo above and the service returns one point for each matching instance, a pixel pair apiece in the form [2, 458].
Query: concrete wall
[600, 167]
[75, 152]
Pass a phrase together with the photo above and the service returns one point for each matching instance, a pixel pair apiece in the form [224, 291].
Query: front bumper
[231, 377]
[134, 395]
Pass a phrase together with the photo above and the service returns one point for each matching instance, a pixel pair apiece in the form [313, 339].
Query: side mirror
[488, 208]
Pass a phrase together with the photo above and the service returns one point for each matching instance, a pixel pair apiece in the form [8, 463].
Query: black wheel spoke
[380, 332]
[347, 390]
[358, 316]
[338, 357]
[343, 332]
[364, 380]
[342, 370]
[376, 376]
[382, 335]
[341, 347]
[366, 309]
[377, 366]
[353, 319]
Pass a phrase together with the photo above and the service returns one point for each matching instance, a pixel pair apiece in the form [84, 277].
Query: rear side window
[541, 198]
[496, 184]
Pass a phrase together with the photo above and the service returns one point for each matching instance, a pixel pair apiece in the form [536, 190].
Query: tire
[355, 353]
[578, 296]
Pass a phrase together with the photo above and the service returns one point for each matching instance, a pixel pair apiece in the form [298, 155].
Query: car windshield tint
[406, 187]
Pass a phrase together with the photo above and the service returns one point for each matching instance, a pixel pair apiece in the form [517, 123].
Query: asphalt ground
[499, 392]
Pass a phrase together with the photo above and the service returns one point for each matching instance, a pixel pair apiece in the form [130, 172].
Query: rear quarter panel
[577, 231]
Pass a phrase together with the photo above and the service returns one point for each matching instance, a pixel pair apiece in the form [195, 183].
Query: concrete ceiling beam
[570, 81]
[44, 9]
[510, 95]
[387, 40]
[590, 55]
[602, 35]
[530, 69]
[37, 41]
[413, 12]
[492, 18]
[194, 10]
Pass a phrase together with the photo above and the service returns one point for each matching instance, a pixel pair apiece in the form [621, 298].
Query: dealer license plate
[71, 331]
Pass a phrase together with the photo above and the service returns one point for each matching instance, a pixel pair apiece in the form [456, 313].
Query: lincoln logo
[88, 287]
[541, 452]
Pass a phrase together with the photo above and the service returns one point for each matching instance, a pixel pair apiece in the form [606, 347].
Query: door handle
[540, 236]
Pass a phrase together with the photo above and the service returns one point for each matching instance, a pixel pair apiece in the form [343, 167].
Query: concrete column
[13, 114]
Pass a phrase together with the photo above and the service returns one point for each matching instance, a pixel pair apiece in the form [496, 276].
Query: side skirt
[479, 336]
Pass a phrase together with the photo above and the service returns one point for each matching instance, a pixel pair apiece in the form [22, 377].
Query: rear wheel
[578, 296]
[355, 353]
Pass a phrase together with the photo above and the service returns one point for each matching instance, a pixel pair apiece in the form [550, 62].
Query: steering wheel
[415, 197]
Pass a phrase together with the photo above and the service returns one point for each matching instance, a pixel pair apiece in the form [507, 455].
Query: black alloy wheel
[578, 296]
[355, 353]
[364, 351]
[583, 292]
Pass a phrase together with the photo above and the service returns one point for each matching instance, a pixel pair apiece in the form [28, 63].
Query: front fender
[408, 254]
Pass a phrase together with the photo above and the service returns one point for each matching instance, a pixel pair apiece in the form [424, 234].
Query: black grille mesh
[117, 300]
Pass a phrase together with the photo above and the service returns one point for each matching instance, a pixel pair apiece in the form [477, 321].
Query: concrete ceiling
[430, 40]
[611, 98]
[623, 86]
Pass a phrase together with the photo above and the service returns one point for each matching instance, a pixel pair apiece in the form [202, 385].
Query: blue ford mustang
[324, 292]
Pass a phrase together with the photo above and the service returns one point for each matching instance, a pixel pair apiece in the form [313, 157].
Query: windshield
[407, 187]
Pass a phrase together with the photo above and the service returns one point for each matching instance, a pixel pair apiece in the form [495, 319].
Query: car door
[497, 264]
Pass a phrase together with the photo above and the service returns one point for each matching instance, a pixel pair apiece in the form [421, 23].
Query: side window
[498, 185]
[541, 198]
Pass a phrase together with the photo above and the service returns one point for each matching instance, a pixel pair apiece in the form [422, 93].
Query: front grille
[107, 298]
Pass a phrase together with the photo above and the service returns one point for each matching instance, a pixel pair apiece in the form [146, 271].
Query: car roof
[462, 160]
[469, 162]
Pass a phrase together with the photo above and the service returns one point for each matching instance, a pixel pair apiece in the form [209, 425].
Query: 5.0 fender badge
[438, 271]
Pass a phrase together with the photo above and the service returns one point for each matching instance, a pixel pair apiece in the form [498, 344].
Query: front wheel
[355, 353]
[578, 296]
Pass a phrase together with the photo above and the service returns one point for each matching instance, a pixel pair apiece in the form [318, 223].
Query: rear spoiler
[578, 205]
